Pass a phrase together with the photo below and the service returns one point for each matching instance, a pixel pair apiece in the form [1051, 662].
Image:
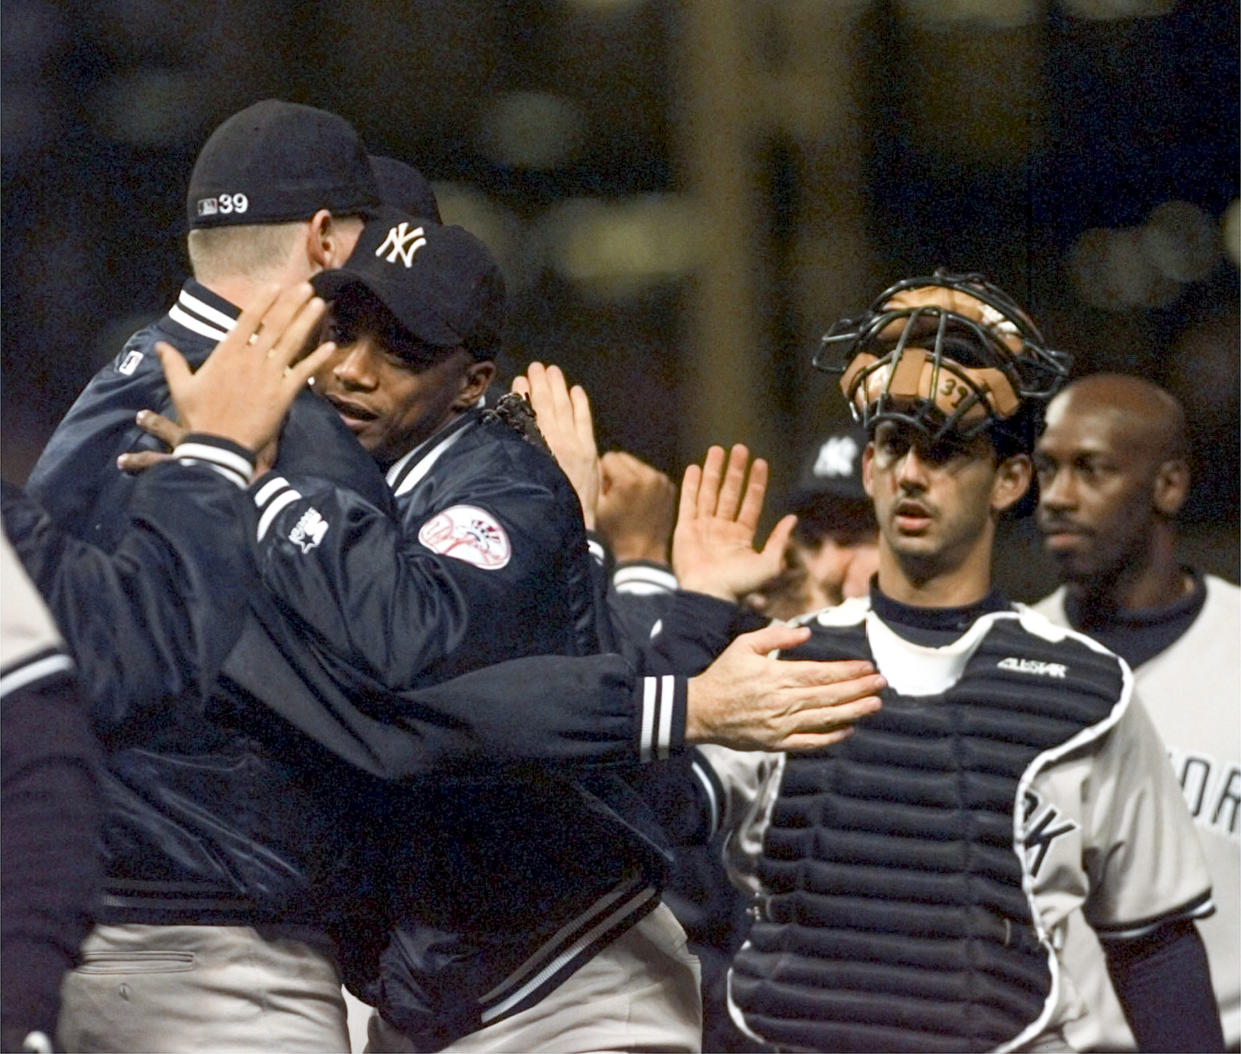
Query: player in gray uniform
[1113, 474]
[912, 884]
[50, 810]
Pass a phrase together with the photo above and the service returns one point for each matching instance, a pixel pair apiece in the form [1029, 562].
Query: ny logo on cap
[402, 242]
[836, 457]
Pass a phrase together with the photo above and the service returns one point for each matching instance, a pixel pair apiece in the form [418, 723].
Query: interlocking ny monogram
[836, 457]
[402, 242]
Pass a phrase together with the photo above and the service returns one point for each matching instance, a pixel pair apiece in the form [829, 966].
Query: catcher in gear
[912, 884]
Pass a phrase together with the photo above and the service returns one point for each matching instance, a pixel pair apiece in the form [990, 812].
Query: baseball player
[214, 836]
[911, 886]
[184, 550]
[49, 813]
[223, 828]
[186, 545]
[486, 561]
[832, 553]
[1113, 473]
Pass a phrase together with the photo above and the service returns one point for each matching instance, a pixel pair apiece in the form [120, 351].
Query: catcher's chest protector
[894, 916]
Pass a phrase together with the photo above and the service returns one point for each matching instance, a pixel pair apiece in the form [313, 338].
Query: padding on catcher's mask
[949, 354]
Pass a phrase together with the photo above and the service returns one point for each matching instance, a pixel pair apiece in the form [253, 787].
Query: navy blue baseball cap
[829, 497]
[403, 187]
[833, 468]
[440, 283]
[278, 162]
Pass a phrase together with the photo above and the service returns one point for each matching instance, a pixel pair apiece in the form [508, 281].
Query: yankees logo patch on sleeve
[467, 533]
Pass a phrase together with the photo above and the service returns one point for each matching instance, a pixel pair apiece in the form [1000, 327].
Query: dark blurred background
[683, 195]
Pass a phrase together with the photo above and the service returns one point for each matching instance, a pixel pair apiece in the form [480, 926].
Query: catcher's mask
[950, 354]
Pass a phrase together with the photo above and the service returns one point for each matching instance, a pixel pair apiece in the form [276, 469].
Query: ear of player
[948, 353]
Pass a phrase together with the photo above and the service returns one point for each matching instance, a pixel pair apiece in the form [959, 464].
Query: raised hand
[245, 387]
[637, 507]
[563, 416]
[713, 543]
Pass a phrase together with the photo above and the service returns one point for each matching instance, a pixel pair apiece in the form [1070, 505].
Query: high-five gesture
[247, 383]
[563, 416]
[713, 542]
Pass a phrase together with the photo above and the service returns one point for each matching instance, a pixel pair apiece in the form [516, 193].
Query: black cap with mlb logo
[278, 162]
[440, 283]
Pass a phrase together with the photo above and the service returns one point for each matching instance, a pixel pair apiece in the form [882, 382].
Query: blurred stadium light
[527, 129]
[1182, 241]
[1148, 266]
[1115, 10]
[618, 249]
[150, 107]
[1231, 231]
[495, 225]
[950, 14]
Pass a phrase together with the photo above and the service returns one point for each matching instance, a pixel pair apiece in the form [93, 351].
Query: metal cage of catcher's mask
[949, 354]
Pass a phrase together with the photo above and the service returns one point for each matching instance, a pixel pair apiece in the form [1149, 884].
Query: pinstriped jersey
[1094, 824]
[1192, 690]
[30, 646]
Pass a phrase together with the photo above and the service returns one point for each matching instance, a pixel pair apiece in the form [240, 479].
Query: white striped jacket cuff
[231, 460]
[661, 726]
[274, 495]
[643, 579]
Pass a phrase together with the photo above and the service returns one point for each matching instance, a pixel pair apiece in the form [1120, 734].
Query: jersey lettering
[1224, 815]
[1041, 830]
[1034, 666]
[1212, 790]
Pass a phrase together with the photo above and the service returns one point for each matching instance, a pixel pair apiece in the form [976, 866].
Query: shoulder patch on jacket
[130, 362]
[466, 532]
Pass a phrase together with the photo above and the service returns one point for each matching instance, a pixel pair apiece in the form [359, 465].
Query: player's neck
[915, 585]
[1154, 586]
[239, 288]
[1153, 578]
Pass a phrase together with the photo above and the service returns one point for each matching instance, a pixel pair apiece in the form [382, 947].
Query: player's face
[1096, 486]
[841, 566]
[936, 503]
[392, 401]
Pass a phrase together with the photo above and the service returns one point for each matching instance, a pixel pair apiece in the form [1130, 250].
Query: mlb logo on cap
[278, 162]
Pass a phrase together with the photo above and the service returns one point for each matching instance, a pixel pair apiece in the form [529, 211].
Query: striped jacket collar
[200, 314]
[409, 469]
